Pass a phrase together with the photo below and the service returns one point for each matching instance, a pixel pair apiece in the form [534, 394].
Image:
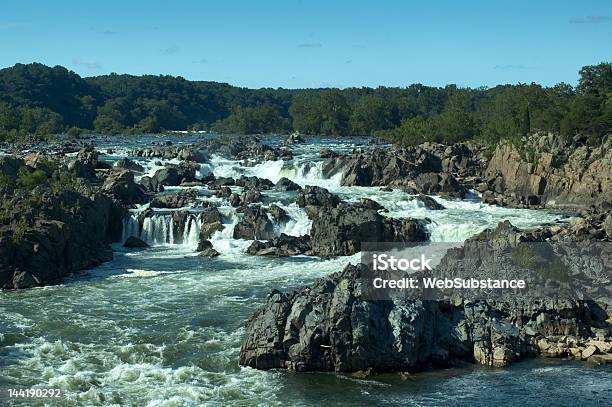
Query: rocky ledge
[334, 325]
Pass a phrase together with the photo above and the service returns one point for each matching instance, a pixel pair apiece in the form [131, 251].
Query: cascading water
[160, 229]
[176, 323]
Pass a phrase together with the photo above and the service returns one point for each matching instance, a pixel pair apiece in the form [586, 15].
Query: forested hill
[37, 100]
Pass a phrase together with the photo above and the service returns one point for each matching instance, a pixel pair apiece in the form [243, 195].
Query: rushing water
[162, 326]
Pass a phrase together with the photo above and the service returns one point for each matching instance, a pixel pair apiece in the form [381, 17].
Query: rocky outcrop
[174, 201]
[174, 175]
[334, 325]
[254, 224]
[134, 242]
[316, 196]
[68, 232]
[244, 198]
[85, 163]
[547, 171]
[254, 183]
[285, 184]
[128, 164]
[281, 246]
[431, 183]
[120, 185]
[340, 230]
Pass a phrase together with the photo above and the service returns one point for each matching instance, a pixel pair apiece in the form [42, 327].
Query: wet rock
[205, 248]
[316, 196]
[134, 242]
[295, 138]
[211, 222]
[328, 153]
[120, 185]
[339, 231]
[174, 201]
[279, 214]
[439, 184]
[285, 184]
[281, 246]
[254, 183]
[151, 184]
[430, 203]
[174, 175]
[254, 224]
[244, 198]
[128, 164]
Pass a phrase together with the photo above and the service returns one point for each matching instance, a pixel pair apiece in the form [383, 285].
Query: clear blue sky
[311, 43]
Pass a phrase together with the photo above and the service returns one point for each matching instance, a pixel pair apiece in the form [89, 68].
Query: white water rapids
[162, 326]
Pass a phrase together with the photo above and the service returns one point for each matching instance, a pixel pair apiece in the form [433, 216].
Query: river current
[162, 326]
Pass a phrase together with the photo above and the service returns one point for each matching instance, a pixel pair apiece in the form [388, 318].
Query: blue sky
[300, 43]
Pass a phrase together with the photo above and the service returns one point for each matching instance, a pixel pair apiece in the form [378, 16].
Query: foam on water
[162, 326]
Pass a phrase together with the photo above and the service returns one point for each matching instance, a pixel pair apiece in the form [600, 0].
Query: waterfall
[160, 229]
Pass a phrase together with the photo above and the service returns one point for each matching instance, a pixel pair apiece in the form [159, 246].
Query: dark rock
[174, 201]
[281, 246]
[128, 164]
[439, 184]
[294, 138]
[279, 214]
[134, 242]
[316, 196]
[254, 224]
[285, 184]
[328, 153]
[120, 185]
[205, 248]
[339, 231]
[151, 184]
[245, 198]
[254, 183]
[224, 192]
[85, 163]
[46, 251]
[430, 203]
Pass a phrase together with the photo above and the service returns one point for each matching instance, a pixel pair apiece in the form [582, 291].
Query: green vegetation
[38, 101]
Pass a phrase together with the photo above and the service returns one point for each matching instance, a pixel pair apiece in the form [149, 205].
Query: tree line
[38, 101]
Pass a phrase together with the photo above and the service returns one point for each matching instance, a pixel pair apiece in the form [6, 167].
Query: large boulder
[128, 164]
[339, 231]
[281, 246]
[432, 183]
[85, 163]
[316, 196]
[285, 184]
[254, 224]
[254, 183]
[174, 201]
[120, 185]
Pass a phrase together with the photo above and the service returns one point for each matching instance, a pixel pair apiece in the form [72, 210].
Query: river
[163, 326]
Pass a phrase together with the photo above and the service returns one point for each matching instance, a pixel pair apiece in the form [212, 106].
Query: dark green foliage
[253, 120]
[29, 179]
[38, 101]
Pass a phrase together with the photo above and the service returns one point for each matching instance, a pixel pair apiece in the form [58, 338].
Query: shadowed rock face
[48, 250]
[339, 231]
[551, 173]
[334, 326]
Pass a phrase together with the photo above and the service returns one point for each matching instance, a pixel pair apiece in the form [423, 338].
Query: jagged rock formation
[552, 173]
[334, 325]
